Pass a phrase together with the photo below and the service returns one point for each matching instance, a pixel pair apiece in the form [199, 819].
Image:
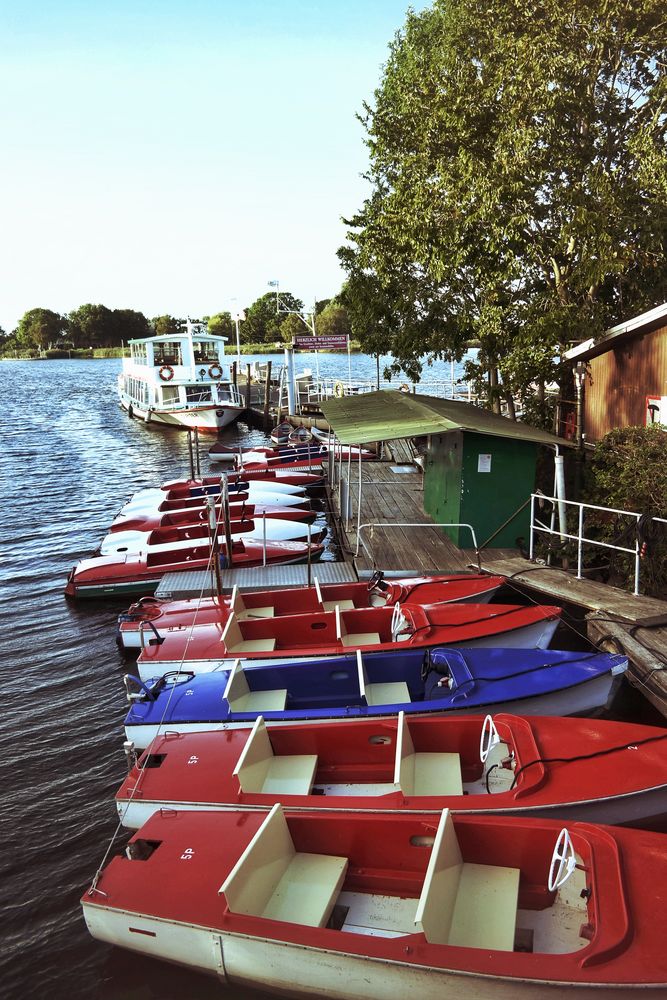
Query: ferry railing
[409, 524]
[562, 533]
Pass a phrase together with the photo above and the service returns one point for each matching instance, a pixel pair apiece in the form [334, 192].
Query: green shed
[479, 468]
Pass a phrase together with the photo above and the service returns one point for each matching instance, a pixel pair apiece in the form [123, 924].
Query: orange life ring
[215, 371]
[166, 373]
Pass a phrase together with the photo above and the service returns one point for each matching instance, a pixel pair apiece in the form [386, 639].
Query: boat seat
[424, 773]
[241, 613]
[346, 605]
[381, 693]
[272, 879]
[361, 639]
[253, 646]
[240, 698]
[464, 904]
[259, 770]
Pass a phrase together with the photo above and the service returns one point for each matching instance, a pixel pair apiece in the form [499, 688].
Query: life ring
[339, 390]
[404, 387]
[215, 371]
[166, 373]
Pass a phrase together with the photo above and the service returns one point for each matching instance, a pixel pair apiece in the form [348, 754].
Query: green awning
[388, 414]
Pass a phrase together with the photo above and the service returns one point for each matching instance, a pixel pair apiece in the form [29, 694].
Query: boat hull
[208, 419]
[585, 698]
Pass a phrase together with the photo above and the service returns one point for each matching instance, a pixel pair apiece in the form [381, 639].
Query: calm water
[70, 458]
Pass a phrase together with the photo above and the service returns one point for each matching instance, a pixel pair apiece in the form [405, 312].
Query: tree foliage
[164, 325]
[628, 471]
[40, 328]
[263, 321]
[334, 320]
[221, 325]
[519, 182]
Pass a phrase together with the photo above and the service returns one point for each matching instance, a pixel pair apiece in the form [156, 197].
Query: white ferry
[180, 380]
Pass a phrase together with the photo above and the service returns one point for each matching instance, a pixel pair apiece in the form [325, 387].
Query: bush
[628, 471]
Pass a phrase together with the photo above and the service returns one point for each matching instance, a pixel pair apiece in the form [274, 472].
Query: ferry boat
[179, 380]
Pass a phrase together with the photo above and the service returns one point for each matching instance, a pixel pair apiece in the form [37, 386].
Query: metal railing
[409, 524]
[562, 533]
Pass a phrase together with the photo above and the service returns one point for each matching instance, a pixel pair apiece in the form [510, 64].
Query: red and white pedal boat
[141, 572]
[297, 477]
[199, 513]
[308, 637]
[174, 536]
[575, 769]
[349, 905]
[458, 588]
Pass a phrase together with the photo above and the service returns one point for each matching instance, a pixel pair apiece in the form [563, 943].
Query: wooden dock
[392, 492]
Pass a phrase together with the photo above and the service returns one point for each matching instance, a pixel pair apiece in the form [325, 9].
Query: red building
[623, 376]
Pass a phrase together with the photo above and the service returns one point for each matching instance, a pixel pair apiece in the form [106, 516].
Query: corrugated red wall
[621, 379]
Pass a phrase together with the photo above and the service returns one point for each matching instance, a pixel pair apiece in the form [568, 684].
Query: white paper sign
[484, 463]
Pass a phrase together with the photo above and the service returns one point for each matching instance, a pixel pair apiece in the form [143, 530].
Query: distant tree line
[92, 325]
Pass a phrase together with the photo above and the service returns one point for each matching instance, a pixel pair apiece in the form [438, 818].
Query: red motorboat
[574, 769]
[192, 487]
[459, 588]
[197, 514]
[141, 572]
[307, 637]
[349, 905]
[271, 529]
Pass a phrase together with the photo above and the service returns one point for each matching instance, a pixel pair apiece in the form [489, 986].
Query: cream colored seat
[354, 638]
[424, 773]
[237, 605]
[233, 640]
[466, 904]
[382, 693]
[272, 879]
[240, 698]
[259, 770]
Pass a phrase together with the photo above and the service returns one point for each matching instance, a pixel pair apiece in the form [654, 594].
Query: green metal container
[481, 480]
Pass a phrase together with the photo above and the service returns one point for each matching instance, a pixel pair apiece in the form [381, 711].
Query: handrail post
[637, 562]
[531, 550]
[580, 541]
[263, 539]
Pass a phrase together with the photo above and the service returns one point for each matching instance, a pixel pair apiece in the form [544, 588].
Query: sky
[174, 156]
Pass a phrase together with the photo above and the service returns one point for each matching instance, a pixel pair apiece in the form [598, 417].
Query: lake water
[70, 458]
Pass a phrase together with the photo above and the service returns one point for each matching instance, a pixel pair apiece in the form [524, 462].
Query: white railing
[408, 524]
[327, 388]
[561, 532]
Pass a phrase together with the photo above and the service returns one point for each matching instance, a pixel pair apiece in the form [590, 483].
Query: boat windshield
[198, 393]
[167, 352]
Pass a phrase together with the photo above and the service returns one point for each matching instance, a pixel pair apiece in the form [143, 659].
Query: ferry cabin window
[138, 391]
[205, 352]
[198, 394]
[167, 352]
[139, 354]
[170, 394]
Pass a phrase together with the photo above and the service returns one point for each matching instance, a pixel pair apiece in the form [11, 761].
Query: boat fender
[215, 371]
[166, 373]
[339, 389]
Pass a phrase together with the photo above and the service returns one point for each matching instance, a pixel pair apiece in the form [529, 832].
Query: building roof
[388, 414]
[616, 335]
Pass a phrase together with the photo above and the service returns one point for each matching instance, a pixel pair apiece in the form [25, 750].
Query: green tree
[519, 182]
[40, 328]
[163, 325]
[292, 327]
[263, 320]
[91, 326]
[129, 324]
[333, 320]
[222, 325]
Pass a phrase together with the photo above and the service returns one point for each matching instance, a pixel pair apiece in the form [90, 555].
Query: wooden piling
[267, 398]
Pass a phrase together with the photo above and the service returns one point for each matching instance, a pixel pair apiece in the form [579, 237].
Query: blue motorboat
[451, 679]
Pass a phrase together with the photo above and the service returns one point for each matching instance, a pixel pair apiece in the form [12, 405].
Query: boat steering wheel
[375, 580]
[489, 738]
[398, 622]
[563, 861]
